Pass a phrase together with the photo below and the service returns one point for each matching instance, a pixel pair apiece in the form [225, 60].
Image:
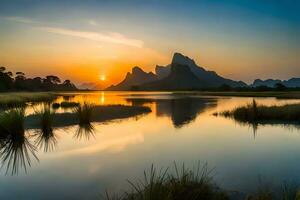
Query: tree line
[19, 82]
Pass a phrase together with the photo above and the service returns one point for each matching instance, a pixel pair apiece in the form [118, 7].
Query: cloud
[115, 38]
[92, 22]
[21, 20]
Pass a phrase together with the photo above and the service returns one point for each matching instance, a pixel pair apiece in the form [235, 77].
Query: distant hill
[291, 83]
[135, 78]
[90, 86]
[182, 73]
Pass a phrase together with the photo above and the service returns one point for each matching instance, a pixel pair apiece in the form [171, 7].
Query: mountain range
[182, 73]
[291, 83]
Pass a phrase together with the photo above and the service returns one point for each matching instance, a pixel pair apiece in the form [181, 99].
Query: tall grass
[45, 135]
[182, 184]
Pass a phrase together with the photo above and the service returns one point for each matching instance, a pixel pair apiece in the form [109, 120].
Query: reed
[183, 184]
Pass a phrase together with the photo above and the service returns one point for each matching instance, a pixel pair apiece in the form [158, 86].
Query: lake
[180, 127]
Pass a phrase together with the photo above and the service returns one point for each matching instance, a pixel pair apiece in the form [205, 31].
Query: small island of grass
[255, 113]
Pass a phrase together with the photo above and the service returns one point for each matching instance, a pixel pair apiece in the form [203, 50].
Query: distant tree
[52, 79]
[20, 81]
[6, 80]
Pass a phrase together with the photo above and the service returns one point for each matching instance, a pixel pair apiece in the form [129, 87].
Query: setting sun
[102, 77]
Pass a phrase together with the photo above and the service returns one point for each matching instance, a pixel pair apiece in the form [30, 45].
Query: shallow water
[180, 128]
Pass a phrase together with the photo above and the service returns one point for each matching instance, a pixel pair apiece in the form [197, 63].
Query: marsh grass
[182, 184]
[20, 99]
[45, 136]
[12, 121]
[15, 148]
[254, 112]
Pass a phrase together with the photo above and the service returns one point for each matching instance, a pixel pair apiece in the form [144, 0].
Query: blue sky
[240, 39]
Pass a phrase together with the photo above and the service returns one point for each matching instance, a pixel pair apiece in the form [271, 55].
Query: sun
[102, 77]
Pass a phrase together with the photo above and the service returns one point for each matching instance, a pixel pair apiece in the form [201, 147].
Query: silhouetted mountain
[137, 77]
[291, 83]
[182, 73]
[180, 78]
[211, 78]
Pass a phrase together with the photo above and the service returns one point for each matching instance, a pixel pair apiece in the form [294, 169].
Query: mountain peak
[137, 69]
[181, 59]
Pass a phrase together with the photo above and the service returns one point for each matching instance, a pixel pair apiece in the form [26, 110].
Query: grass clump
[261, 113]
[12, 121]
[184, 184]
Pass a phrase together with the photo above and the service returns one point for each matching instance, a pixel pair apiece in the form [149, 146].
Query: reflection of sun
[102, 98]
[102, 77]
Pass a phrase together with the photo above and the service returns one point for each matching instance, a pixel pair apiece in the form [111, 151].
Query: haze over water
[181, 128]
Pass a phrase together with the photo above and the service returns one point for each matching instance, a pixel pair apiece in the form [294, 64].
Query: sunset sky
[87, 41]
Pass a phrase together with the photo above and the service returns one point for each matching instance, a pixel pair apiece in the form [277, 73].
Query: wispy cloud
[115, 38]
[92, 22]
[21, 20]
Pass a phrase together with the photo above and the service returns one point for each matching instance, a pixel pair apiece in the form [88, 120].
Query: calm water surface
[180, 128]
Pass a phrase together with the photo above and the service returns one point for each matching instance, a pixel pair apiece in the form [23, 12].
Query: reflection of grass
[45, 136]
[84, 131]
[18, 99]
[259, 113]
[15, 149]
[181, 185]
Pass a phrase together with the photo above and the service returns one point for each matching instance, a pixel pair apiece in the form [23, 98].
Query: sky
[101, 40]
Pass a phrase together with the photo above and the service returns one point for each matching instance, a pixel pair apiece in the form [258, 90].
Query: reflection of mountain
[181, 110]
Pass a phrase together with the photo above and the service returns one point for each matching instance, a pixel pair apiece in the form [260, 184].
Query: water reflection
[46, 139]
[181, 111]
[16, 151]
[85, 131]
